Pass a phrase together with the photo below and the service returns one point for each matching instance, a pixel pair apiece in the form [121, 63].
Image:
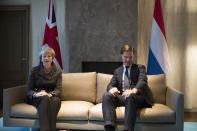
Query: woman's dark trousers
[48, 108]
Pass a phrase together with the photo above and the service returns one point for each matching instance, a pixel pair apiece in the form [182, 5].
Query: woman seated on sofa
[43, 87]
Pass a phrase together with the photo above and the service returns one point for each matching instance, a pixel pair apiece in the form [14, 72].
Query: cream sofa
[82, 109]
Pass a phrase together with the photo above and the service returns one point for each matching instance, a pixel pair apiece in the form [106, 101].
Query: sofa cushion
[74, 110]
[102, 82]
[157, 85]
[79, 86]
[70, 110]
[159, 113]
[23, 110]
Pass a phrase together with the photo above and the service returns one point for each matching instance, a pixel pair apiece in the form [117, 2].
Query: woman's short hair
[47, 50]
[126, 48]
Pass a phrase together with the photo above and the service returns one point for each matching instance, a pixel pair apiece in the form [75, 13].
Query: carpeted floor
[188, 126]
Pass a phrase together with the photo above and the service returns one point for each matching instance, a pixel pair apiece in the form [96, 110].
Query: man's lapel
[133, 72]
[120, 73]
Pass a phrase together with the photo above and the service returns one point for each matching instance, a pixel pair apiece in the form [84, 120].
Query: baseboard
[190, 110]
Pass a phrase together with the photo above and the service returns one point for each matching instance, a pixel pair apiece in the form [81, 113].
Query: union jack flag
[51, 34]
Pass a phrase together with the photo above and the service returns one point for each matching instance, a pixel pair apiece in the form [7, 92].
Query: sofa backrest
[156, 84]
[79, 86]
[91, 86]
[101, 85]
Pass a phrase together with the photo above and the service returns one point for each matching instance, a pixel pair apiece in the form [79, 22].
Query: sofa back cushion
[102, 82]
[79, 86]
[157, 85]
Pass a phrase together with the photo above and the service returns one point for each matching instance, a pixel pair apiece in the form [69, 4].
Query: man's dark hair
[126, 48]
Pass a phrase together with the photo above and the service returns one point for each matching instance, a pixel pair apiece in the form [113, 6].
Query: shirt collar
[124, 68]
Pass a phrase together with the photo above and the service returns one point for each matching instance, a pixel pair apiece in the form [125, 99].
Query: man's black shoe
[109, 128]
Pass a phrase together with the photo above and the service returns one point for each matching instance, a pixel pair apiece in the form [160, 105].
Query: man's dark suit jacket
[138, 80]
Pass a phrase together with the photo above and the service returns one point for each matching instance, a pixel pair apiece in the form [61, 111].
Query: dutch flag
[158, 60]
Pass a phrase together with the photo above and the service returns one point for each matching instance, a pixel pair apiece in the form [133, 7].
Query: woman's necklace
[47, 70]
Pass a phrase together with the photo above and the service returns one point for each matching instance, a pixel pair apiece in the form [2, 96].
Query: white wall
[39, 9]
[60, 8]
[181, 28]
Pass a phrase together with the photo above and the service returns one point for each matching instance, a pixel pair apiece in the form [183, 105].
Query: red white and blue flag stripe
[51, 34]
[158, 60]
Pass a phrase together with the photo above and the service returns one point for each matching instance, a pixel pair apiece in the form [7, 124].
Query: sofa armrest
[12, 96]
[175, 100]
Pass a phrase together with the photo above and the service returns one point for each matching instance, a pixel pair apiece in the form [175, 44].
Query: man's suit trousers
[131, 103]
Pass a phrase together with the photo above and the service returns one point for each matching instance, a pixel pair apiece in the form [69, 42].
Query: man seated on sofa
[128, 87]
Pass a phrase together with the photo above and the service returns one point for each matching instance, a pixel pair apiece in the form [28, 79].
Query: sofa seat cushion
[159, 113]
[70, 110]
[23, 110]
[95, 113]
[74, 110]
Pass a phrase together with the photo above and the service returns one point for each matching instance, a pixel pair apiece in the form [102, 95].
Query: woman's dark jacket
[39, 80]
